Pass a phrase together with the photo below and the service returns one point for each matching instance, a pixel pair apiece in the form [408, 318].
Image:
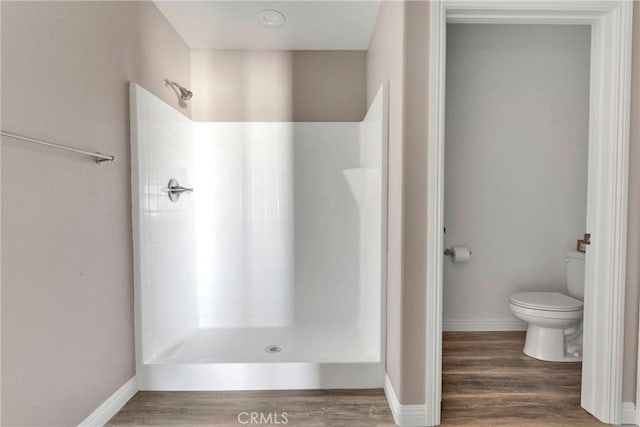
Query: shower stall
[259, 250]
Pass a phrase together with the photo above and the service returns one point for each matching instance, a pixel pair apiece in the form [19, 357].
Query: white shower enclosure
[271, 273]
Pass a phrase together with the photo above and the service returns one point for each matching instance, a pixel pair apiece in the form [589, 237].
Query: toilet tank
[575, 274]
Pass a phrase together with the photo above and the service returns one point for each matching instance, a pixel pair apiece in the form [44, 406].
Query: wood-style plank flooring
[303, 408]
[486, 381]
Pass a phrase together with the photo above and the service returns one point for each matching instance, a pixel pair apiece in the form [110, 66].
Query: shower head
[185, 94]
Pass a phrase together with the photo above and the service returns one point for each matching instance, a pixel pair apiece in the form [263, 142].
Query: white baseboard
[484, 325]
[112, 405]
[404, 415]
[629, 413]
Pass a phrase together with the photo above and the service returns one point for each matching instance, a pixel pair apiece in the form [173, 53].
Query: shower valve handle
[174, 189]
[180, 190]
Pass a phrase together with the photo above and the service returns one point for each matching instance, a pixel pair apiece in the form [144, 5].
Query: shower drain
[272, 348]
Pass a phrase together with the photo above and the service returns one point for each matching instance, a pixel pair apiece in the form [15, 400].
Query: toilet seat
[546, 318]
[546, 301]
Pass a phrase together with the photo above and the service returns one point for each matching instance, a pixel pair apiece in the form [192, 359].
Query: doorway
[516, 147]
[607, 186]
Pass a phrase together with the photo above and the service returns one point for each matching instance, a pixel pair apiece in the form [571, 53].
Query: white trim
[112, 405]
[607, 213]
[0, 231]
[404, 415]
[483, 325]
[435, 209]
[611, 23]
[629, 413]
[384, 243]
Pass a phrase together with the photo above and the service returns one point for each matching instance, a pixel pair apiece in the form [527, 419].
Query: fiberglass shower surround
[269, 275]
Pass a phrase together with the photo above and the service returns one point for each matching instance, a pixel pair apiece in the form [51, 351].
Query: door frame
[609, 105]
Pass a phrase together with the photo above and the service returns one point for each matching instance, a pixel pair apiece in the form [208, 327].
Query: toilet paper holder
[449, 252]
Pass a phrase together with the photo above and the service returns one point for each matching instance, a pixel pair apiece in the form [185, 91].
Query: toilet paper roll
[461, 253]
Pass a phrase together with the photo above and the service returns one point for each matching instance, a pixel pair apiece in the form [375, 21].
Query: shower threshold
[309, 357]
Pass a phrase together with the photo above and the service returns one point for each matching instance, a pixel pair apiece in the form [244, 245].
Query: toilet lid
[550, 301]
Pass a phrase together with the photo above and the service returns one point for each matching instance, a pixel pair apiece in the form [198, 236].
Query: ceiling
[310, 25]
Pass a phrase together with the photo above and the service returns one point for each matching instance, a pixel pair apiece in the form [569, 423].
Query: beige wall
[415, 180]
[67, 292]
[278, 85]
[162, 54]
[633, 244]
[398, 53]
[385, 62]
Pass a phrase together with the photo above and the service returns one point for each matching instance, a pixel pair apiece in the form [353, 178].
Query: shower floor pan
[264, 359]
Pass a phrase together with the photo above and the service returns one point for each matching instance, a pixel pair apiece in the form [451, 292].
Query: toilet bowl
[555, 325]
[554, 331]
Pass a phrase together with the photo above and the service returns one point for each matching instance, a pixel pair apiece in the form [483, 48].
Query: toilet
[554, 331]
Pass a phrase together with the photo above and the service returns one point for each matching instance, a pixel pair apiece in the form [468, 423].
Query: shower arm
[184, 93]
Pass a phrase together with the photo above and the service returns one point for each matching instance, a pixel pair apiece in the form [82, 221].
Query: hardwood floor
[303, 408]
[486, 381]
